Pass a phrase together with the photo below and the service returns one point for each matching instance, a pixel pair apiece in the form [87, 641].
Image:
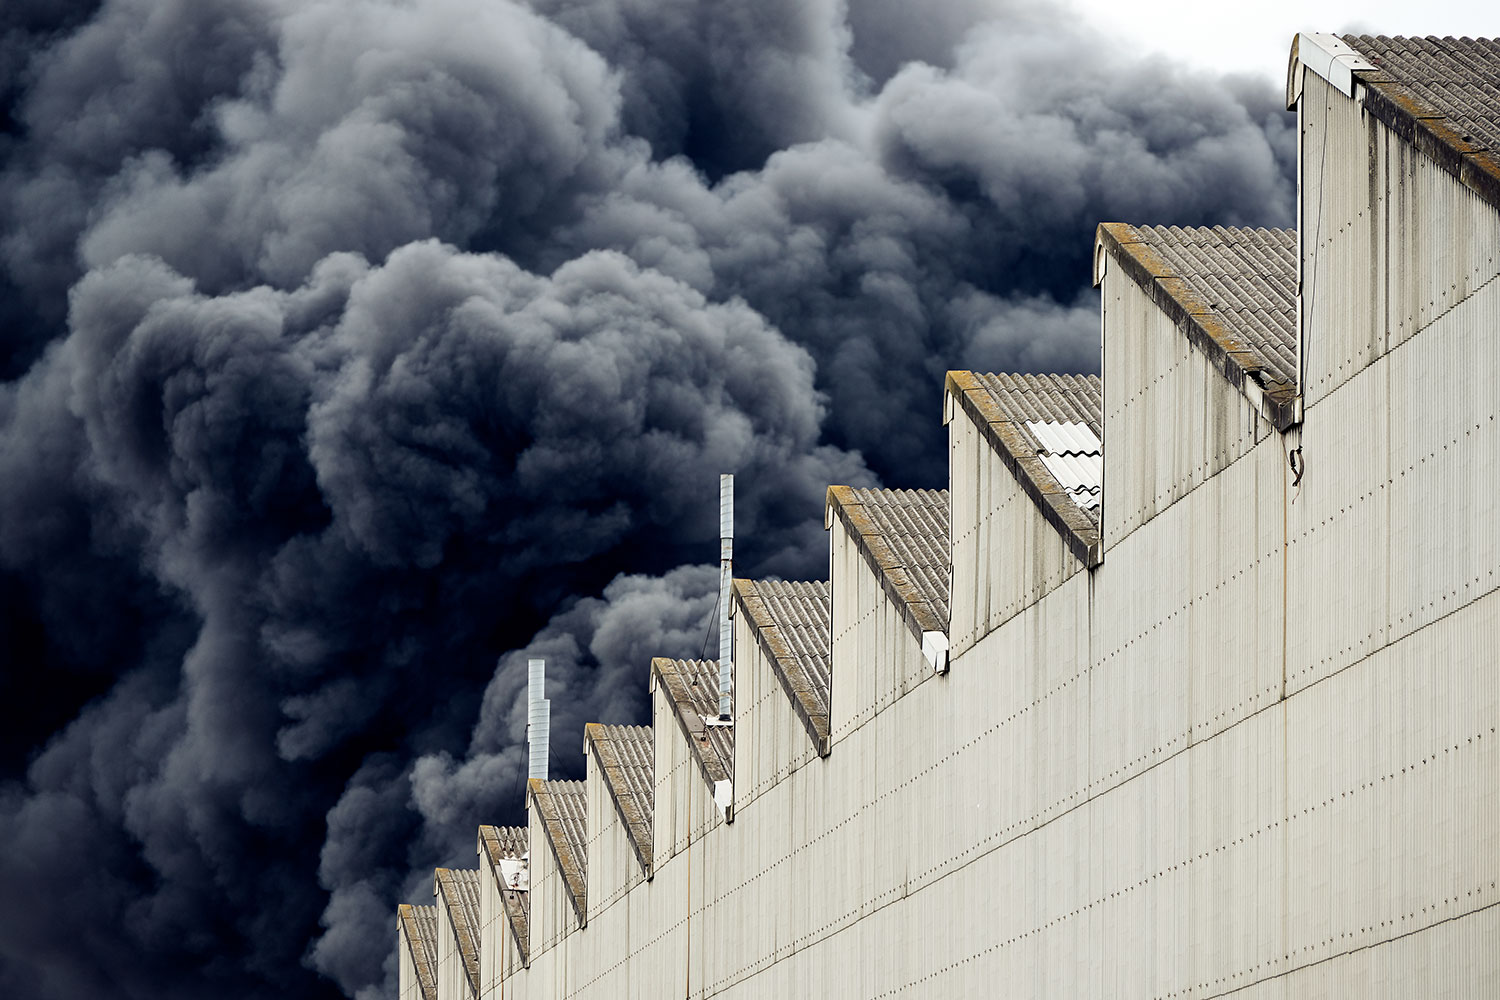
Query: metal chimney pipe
[538, 719]
[726, 577]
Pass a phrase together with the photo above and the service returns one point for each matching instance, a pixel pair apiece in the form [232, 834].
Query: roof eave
[1275, 400]
[571, 870]
[609, 764]
[1051, 500]
[917, 612]
[774, 649]
[426, 975]
[668, 676]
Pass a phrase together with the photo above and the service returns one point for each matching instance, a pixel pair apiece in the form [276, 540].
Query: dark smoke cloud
[355, 351]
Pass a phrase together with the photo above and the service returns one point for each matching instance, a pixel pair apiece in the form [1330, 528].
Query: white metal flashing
[724, 798]
[935, 651]
[1326, 55]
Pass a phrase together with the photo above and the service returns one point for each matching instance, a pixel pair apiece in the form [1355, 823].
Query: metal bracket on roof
[714, 722]
[516, 873]
[1327, 55]
[935, 651]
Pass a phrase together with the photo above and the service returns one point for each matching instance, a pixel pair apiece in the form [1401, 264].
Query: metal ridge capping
[1437, 94]
[1199, 309]
[790, 623]
[1004, 429]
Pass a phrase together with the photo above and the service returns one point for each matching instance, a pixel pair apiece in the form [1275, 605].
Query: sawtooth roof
[497, 843]
[1003, 406]
[791, 625]
[458, 888]
[1441, 95]
[420, 924]
[1233, 292]
[693, 687]
[903, 535]
[626, 756]
[562, 807]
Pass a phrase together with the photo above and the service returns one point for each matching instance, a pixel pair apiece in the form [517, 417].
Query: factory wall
[1252, 753]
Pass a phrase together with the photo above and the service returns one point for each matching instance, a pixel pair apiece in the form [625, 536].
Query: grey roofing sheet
[421, 932]
[627, 755]
[1458, 78]
[504, 842]
[459, 890]
[695, 685]
[914, 523]
[791, 622]
[1248, 277]
[1060, 398]
[564, 813]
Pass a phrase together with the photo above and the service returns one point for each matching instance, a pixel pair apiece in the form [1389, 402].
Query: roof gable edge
[1035, 480]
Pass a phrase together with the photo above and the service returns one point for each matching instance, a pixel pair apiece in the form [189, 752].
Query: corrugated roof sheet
[420, 924]
[1040, 398]
[563, 808]
[693, 686]
[904, 536]
[791, 625]
[1046, 429]
[1075, 457]
[504, 842]
[500, 842]
[1452, 83]
[458, 889]
[627, 756]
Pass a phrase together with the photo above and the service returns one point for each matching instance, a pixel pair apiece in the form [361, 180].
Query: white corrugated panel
[1065, 438]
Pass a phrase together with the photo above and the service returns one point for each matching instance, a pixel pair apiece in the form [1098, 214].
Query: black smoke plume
[351, 351]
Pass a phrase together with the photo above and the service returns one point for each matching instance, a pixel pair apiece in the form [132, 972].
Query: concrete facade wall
[1253, 753]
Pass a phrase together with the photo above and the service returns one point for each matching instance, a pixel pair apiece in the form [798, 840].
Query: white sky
[1255, 37]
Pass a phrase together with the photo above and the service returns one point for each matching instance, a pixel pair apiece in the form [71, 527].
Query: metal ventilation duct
[726, 574]
[538, 718]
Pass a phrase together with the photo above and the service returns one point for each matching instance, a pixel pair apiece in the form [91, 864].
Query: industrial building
[1186, 686]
